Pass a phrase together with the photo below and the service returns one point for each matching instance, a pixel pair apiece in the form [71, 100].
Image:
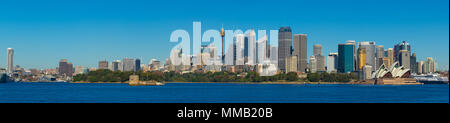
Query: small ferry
[430, 79]
[4, 78]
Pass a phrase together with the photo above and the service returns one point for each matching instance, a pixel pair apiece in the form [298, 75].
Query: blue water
[220, 93]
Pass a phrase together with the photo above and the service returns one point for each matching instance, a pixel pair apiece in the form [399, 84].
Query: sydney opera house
[394, 71]
[393, 75]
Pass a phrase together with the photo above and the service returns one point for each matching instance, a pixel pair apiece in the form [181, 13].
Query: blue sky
[86, 31]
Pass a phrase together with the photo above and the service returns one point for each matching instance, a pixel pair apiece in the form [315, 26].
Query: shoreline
[292, 83]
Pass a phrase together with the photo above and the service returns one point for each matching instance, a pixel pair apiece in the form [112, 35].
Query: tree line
[223, 76]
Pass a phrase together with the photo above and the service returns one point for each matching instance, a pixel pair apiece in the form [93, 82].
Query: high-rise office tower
[115, 65]
[129, 64]
[401, 46]
[300, 50]
[320, 59]
[317, 50]
[367, 72]
[284, 46]
[390, 55]
[274, 55]
[419, 67]
[291, 64]
[413, 63]
[370, 53]
[386, 61]
[250, 47]
[137, 64]
[362, 55]
[261, 48]
[353, 43]
[429, 66]
[103, 65]
[332, 62]
[380, 55]
[345, 62]
[312, 64]
[10, 61]
[65, 68]
[404, 59]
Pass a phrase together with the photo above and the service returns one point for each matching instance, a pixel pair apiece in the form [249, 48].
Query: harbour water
[47, 92]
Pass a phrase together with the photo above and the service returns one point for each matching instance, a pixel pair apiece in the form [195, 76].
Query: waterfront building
[65, 68]
[291, 64]
[367, 72]
[284, 46]
[10, 61]
[79, 70]
[332, 62]
[361, 58]
[429, 66]
[379, 55]
[319, 57]
[345, 62]
[404, 59]
[419, 67]
[103, 65]
[370, 53]
[312, 64]
[300, 50]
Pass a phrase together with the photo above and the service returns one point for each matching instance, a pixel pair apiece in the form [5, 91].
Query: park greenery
[224, 76]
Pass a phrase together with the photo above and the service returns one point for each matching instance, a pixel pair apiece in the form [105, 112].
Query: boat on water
[430, 79]
[4, 78]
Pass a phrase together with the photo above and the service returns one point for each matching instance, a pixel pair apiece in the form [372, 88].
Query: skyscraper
[65, 68]
[419, 67]
[10, 61]
[413, 63]
[284, 46]
[390, 55]
[401, 46]
[291, 64]
[345, 62]
[129, 64]
[380, 55]
[137, 64]
[362, 61]
[429, 66]
[353, 43]
[300, 50]
[115, 65]
[103, 65]
[250, 47]
[320, 59]
[332, 62]
[404, 59]
[370, 53]
[312, 64]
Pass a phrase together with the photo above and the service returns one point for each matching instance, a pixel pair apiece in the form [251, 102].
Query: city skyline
[87, 40]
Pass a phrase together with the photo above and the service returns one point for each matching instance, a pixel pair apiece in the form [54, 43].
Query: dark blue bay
[220, 93]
